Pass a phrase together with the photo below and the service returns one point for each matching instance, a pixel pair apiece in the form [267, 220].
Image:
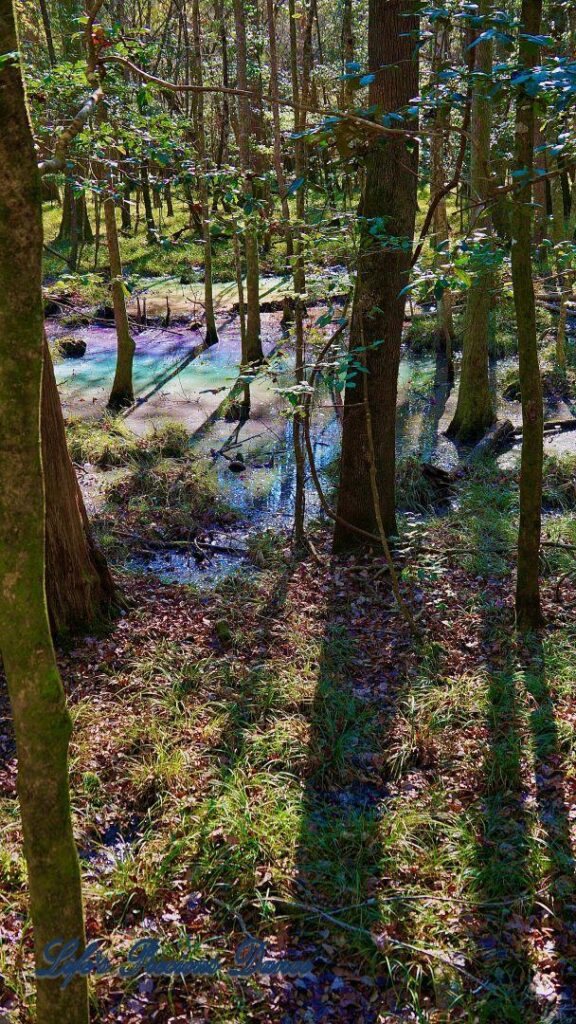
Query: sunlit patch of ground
[280, 755]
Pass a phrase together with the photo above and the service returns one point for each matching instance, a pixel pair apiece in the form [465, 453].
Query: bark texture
[388, 205]
[475, 409]
[211, 330]
[79, 586]
[528, 609]
[253, 342]
[41, 721]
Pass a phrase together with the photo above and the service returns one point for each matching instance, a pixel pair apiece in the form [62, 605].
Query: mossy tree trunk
[389, 197]
[528, 609]
[41, 721]
[563, 229]
[475, 408]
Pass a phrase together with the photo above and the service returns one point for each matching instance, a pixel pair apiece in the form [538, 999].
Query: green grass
[327, 244]
[110, 443]
[430, 817]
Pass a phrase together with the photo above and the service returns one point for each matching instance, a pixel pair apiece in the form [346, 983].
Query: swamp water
[176, 380]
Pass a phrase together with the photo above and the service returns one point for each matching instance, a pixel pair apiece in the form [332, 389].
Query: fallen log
[500, 436]
[438, 475]
[553, 425]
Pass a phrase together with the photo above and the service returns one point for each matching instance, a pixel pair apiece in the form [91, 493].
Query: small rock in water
[71, 347]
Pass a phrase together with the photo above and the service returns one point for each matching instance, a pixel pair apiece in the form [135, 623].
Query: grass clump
[170, 498]
[559, 481]
[110, 443]
[556, 384]
[416, 491]
[422, 335]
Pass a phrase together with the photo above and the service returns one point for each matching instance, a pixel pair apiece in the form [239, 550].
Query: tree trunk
[75, 224]
[347, 47]
[122, 394]
[79, 587]
[253, 347]
[148, 208]
[48, 31]
[528, 610]
[225, 112]
[299, 97]
[475, 409]
[211, 330]
[378, 312]
[41, 721]
[441, 228]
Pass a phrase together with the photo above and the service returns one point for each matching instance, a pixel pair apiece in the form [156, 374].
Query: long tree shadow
[341, 860]
[525, 868]
[559, 868]
[503, 869]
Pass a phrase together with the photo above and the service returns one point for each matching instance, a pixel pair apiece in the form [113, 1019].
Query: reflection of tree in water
[420, 411]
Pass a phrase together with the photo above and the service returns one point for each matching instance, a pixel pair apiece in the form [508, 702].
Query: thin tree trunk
[41, 721]
[347, 47]
[445, 321]
[122, 393]
[253, 348]
[383, 272]
[48, 31]
[211, 330]
[475, 408]
[299, 97]
[148, 208]
[225, 115]
[75, 224]
[528, 610]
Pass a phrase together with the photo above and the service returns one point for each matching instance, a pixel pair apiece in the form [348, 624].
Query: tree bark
[147, 198]
[378, 311]
[441, 227]
[347, 48]
[253, 342]
[475, 408]
[75, 227]
[122, 394]
[211, 330]
[48, 32]
[79, 587]
[41, 721]
[528, 609]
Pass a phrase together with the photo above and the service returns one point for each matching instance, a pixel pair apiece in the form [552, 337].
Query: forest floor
[280, 756]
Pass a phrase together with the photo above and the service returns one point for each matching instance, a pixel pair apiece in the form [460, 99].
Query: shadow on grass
[524, 860]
